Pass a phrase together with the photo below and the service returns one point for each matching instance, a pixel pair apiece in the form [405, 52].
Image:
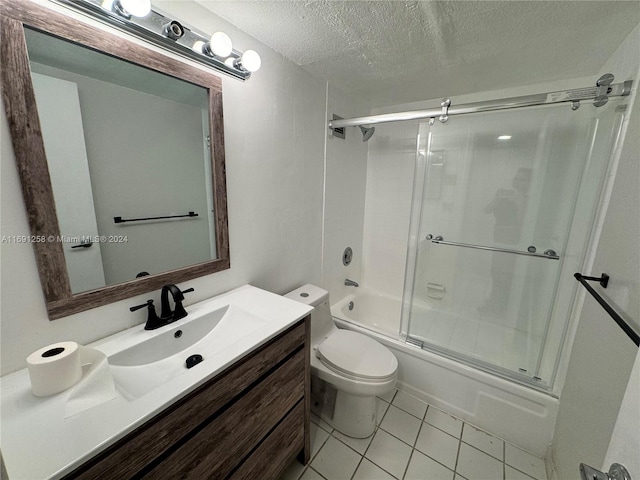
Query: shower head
[367, 132]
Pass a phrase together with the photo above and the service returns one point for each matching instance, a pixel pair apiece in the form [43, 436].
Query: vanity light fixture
[220, 45]
[132, 8]
[504, 137]
[138, 18]
[250, 60]
[173, 30]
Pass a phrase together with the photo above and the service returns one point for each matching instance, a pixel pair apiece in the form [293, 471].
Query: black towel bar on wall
[604, 281]
[123, 220]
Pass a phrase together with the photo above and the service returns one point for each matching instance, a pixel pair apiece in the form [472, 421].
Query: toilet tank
[321, 322]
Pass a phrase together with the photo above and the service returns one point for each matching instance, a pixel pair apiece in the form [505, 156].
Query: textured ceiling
[393, 52]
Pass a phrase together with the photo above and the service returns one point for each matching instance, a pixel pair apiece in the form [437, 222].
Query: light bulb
[230, 62]
[251, 61]
[220, 44]
[136, 8]
[198, 46]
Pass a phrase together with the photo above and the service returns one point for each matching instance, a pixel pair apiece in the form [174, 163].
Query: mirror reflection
[123, 141]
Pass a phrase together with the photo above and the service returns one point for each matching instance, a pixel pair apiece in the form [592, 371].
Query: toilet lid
[357, 355]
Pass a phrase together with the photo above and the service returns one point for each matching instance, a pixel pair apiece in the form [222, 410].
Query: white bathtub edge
[515, 413]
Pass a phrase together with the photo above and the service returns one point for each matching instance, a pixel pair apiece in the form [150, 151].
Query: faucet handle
[153, 321]
[188, 290]
[148, 303]
[179, 311]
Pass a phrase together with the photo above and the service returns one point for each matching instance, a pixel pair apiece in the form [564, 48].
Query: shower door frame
[424, 143]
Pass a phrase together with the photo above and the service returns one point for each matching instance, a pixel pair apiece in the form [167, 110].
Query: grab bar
[123, 220]
[604, 281]
[549, 254]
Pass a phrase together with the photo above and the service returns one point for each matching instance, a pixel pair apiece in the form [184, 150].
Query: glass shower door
[494, 202]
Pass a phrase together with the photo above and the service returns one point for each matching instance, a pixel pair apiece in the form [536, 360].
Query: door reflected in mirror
[122, 141]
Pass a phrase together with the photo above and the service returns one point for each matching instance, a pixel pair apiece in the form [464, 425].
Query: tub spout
[351, 283]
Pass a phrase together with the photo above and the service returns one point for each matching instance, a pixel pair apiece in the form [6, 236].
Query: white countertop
[37, 442]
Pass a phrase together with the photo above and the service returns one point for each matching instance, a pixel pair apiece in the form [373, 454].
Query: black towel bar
[123, 220]
[604, 281]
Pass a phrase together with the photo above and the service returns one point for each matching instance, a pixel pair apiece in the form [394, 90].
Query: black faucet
[167, 316]
[178, 296]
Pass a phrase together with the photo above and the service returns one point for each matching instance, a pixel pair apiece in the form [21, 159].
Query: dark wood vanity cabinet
[248, 422]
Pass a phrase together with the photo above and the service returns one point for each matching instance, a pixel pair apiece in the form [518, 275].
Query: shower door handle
[549, 254]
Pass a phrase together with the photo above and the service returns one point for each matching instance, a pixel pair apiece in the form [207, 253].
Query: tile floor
[414, 441]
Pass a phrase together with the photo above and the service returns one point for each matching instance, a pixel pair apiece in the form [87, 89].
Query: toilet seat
[357, 356]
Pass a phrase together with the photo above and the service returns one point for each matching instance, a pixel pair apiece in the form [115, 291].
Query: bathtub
[518, 414]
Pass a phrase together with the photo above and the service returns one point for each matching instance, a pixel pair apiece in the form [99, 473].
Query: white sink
[171, 339]
[157, 356]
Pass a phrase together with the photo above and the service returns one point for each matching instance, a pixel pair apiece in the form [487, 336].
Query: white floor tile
[525, 462]
[444, 421]
[513, 474]
[410, 404]
[402, 425]
[318, 437]
[358, 444]
[476, 465]
[293, 471]
[311, 474]
[443, 445]
[335, 460]
[438, 445]
[387, 397]
[422, 467]
[381, 409]
[389, 453]
[370, 471]
[483, 441]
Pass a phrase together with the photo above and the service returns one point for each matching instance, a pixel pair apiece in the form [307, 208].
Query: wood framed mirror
[151, 208]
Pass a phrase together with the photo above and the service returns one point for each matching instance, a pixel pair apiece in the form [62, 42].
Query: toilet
[348, 369]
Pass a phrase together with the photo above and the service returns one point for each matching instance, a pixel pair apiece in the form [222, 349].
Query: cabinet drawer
[274, 454]
[219, 446]
[152, 440]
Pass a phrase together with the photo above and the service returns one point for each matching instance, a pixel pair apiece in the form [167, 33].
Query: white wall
[602, 356]
[274, 134]
[345, 183]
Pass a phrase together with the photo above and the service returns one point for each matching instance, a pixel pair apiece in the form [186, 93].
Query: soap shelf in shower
[548, 254]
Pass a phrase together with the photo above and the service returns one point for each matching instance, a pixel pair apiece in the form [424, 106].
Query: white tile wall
[345, 184]
[390, 170]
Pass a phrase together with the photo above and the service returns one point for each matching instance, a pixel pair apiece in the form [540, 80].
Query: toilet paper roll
[54, 368]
